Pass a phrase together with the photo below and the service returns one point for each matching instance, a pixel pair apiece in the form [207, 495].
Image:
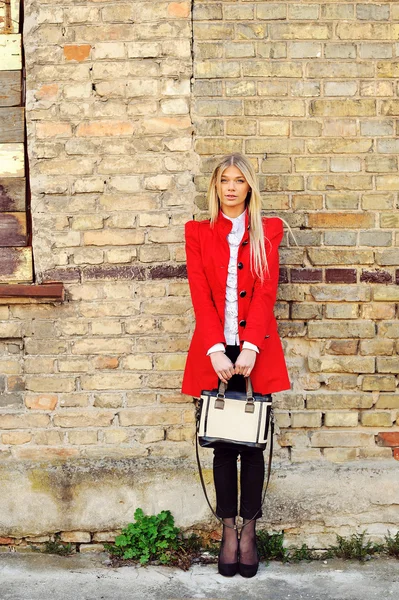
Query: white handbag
[235, 417]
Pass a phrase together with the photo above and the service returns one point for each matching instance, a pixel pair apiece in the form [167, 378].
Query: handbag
[244, 418]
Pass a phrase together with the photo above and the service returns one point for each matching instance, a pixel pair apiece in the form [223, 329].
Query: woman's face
[233, 191]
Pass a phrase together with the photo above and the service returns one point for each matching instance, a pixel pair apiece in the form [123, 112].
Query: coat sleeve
[261, 309]
[208, 322]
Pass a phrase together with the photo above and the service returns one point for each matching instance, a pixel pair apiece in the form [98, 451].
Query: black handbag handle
[267, 480]
[248, 382]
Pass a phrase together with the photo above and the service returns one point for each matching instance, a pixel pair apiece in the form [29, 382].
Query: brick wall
[128, 104]
[307, 91]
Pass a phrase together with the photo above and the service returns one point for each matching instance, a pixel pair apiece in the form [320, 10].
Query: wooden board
[16, 265]
[10, 52]
[12, 194]
[12, 124]
[46, 290]
[12, 160]
[13, 229]
[9, 16]
[10, 88]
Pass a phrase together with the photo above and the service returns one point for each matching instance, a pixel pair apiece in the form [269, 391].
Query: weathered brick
[157, 416]
[338, 401]
[310, 419]
[342, 220]
[339, 455]
[23, 421]
[84, 419]
[342, 311]
[16, 438]
[342, 364]
[390, 401]
[110, 381]
[341, 419]
[373, 383]
[321, 256]
[345, 439]
[388, 364]
[341, 329]
[376, 419]
[377, 347]
[386, 293]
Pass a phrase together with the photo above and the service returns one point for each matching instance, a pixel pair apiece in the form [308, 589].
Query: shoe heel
[227, 570]
[248, 570]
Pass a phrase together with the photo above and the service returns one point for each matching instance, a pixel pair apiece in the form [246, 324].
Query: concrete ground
[87, 577]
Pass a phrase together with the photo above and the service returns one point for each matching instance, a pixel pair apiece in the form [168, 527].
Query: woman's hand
[245, 362]
[223, 366]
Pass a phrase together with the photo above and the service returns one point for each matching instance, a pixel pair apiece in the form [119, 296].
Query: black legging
[225, 468]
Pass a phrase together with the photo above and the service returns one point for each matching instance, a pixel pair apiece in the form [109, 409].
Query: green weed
[152, 537]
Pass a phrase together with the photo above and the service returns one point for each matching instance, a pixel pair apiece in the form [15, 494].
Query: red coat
[208, 255]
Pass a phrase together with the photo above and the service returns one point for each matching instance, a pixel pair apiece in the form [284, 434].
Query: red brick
[72, 274]
[341, 276]
[377, 276]
[41, 402]
[104, 128]
[306, 275]
[77, 52]
[283, 277]
[47, 91]
[179, 9]
[388, 438]
[168, 272]
[6, 540]
[51, 129]
[106, 362]
[342, 347]
[128, 272]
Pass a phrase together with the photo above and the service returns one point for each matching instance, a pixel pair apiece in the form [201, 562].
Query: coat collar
[224, 226]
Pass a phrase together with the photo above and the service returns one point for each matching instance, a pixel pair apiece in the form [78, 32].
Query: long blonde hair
[253, 203]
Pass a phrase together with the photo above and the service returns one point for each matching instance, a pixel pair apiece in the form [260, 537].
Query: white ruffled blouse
[231, 306]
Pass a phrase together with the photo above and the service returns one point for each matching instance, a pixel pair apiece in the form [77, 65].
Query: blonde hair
[253, 203]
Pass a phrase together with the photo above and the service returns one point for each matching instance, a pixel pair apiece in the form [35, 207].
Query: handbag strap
[249, 389]
[269, 467]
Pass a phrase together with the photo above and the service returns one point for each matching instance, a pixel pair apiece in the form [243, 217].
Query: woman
[233, 273]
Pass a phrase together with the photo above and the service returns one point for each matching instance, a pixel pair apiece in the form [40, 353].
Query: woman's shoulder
[195, 227]
[272, 224]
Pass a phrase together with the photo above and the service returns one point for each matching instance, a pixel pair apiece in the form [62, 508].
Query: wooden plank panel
[13, 229]
[46, 290]
[16, 265]
[10, 52]
[9, 16]
[10, 88]
[12, 124]
[12, 160]
[12, 194]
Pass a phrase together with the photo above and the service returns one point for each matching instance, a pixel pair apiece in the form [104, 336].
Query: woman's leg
[225, 479]
[225, 461]
[252, 477]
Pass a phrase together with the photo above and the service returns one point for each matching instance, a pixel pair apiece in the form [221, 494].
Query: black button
[242, 323]
[243, 294]
[240, 265]
[244, 243]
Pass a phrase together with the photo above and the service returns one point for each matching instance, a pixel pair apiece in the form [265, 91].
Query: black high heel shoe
[227, 569]
[249, 570]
